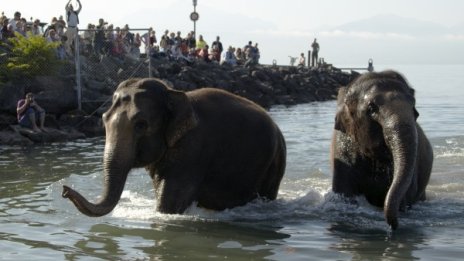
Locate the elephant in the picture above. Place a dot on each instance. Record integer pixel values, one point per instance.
(206, 146)
(378, 149)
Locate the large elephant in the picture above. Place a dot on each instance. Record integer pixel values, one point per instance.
(378, 149)
(206, 146)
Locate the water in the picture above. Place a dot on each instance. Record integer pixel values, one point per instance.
(306, 222)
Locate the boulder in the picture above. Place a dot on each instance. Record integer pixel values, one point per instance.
(56, 96)
(14, 138)
(48, 135)
(10, 94)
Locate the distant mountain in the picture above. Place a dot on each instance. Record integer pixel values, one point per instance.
(395, 24)
(375, 37)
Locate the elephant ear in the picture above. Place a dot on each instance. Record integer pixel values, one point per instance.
(182, 119)
(341, 115)
(416, 113)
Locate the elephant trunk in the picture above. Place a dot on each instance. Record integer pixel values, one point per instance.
(116, 169)
(401, 138)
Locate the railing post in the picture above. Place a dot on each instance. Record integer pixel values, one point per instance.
(309, 59)
(78, 71)
(148, 51)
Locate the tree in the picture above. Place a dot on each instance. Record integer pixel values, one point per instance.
(27, 57)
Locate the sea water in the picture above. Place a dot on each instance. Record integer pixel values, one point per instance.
(306, 222)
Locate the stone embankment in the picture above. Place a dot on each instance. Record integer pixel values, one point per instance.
(265, 85)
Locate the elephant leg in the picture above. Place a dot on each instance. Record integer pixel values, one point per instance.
(344, 179)
(174, 195)
(269, 187)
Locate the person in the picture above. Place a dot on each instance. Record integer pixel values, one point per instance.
(149, 40)
(60, 25)
(249, 57)
(248, 46)
(15, 20)
(315, 55)
(240, 56)
(178, 38)
(7, 30)
(127, 35)
(229, 57)
(28, 112)
(87, 38)
(200, 43)
(99, 38)
(256, 53)
(72, 17)
(51, 26)
(203, 54)
(214, 54)
(217, 45)
(53, 37)
(36, 28)
(191, 40)
(116, 39)
(302, 61)
(21, 27)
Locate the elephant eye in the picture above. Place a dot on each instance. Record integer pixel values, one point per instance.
(372, 109)
(141, 126)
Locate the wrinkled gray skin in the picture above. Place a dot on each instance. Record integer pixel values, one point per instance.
(378, 149)
(207, 146)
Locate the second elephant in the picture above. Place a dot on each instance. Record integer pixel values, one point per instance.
(378, 148)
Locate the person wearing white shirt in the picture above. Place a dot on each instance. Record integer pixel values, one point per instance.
(72, 17)
(16, 18)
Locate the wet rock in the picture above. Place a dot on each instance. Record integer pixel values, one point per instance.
(14, 138)
(48, 134)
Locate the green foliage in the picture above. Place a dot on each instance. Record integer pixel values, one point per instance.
(28, 57)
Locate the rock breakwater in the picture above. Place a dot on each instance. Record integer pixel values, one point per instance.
(265, 85)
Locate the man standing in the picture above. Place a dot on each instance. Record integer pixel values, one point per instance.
(217, 45)
(72, 17)
(315, 55)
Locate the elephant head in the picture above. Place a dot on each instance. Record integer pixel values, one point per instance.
(145, 119)
(378, 112)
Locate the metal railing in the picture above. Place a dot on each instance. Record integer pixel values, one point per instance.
(103, 56)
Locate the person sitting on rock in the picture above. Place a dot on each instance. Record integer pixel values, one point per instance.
(229, 57)
(29, 112)
(203, 55)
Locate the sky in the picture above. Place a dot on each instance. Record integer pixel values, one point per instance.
(350, 32)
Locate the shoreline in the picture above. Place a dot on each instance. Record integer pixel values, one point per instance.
(266, 85)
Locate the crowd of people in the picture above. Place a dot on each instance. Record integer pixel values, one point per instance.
(105, 39)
